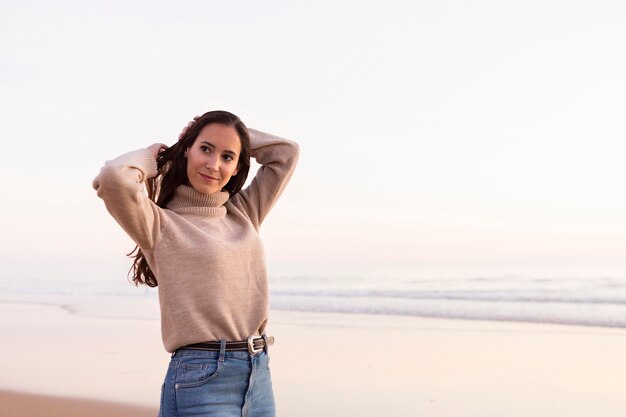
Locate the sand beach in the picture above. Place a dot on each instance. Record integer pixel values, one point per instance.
(55, 362)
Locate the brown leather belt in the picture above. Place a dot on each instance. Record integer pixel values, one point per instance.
(254, 345)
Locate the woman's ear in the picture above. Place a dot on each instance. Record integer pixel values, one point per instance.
(186, 151)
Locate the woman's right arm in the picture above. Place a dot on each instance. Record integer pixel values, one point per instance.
(121, 185)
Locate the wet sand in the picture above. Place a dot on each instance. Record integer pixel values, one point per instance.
(16, 404)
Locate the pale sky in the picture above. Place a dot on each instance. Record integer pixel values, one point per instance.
(447, 135)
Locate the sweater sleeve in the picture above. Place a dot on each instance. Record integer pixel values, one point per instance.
(120, 184)
(278, 158)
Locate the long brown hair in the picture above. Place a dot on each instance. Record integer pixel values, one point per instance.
(172, 172)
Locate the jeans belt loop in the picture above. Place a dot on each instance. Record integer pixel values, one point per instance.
(222, 350)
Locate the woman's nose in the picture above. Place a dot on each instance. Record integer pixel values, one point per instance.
(212, 163)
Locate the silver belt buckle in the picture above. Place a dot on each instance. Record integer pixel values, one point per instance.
(254, 351)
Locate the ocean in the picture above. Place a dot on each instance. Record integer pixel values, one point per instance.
(590, 301)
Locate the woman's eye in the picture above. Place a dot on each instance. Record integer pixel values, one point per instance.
(228, 157)
(204, 148)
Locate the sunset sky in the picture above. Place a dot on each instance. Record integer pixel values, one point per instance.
(437, 138)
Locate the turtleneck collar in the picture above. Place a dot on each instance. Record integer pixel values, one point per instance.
(188, 200)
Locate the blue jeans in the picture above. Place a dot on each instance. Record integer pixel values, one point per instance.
(218, 384)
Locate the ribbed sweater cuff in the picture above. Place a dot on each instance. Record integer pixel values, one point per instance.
(150, 163)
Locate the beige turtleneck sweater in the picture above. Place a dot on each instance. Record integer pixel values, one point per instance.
(204, 250)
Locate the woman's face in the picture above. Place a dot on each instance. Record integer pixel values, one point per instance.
(213, 158)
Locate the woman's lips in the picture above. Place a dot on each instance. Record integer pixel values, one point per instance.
(208, 178)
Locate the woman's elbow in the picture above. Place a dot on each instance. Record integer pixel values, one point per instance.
(112, 178)
(294, 151)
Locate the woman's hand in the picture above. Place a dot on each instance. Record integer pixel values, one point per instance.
(186, 128)
(156, 148)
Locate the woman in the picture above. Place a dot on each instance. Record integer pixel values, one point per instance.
(197, 239)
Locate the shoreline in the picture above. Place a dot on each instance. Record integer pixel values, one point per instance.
(149, 311)
(398, 364)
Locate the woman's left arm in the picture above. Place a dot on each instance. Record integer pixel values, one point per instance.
(278, 158)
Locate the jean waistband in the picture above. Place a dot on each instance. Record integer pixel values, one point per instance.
(254, 345)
